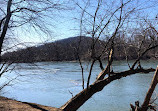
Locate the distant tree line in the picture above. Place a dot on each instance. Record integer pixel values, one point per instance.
(66, 50)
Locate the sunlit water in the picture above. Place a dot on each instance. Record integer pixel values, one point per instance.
(50, 83)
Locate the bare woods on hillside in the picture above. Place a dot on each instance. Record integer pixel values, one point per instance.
(66, 50)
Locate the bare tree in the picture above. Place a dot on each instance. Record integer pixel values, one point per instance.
(96, 24)
(32, 16)
(21, 14)
(106, 19)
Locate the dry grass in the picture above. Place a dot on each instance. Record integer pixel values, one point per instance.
(13, 105)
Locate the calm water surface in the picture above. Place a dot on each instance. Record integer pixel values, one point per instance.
(50, 83)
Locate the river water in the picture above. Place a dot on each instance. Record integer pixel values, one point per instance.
(50, 83)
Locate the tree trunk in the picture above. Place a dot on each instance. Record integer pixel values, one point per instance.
(74, 103)
(5, 27)
(78, 100)
(145, 104)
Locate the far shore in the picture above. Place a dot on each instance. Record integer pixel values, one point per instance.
(151, 59)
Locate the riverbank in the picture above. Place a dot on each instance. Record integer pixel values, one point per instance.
(7, 104)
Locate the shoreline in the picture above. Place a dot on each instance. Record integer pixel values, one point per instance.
(7, 104)
(73, 61)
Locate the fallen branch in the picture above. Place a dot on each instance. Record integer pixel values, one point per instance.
(74, 103)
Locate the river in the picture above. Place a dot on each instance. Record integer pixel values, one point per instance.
(50, 83)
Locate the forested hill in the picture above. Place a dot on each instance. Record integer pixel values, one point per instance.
(61, 50)
(67, 50)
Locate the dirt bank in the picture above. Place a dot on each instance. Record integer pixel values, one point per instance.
(7, 104)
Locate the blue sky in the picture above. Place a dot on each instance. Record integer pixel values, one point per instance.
(66, 22)
(63, 26)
